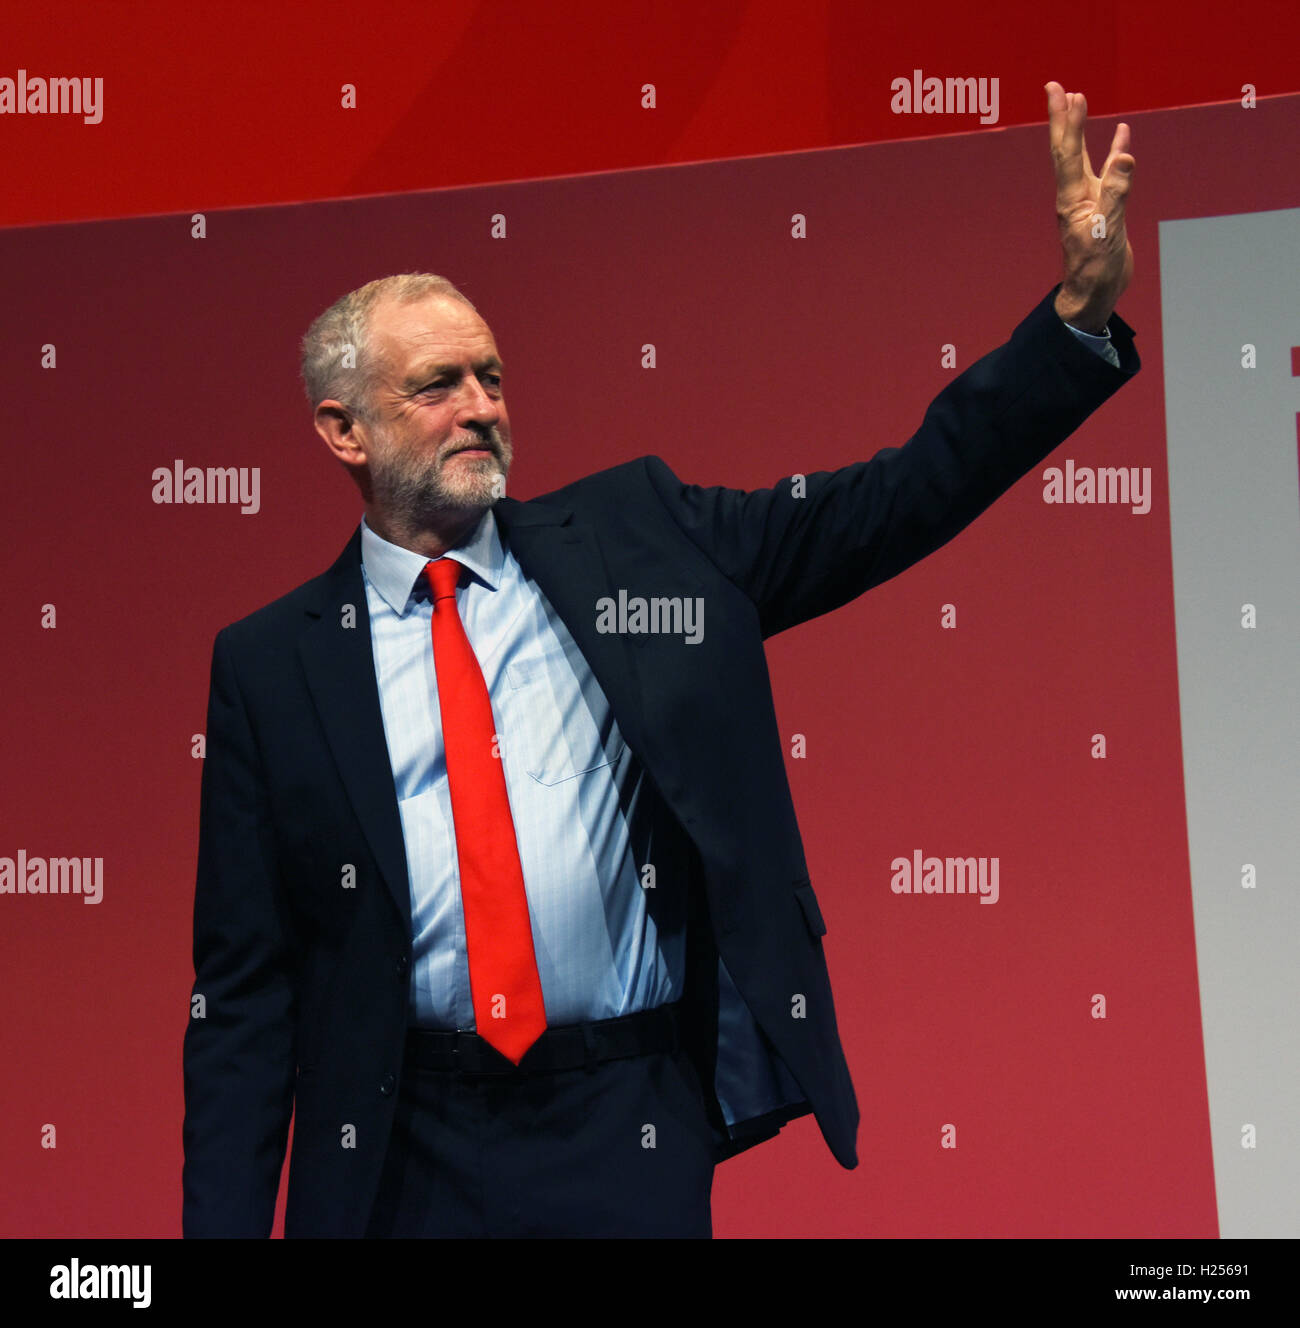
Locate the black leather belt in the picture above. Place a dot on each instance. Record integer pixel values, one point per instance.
(575, 1046)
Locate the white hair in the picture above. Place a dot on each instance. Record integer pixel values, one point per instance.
(346, 323)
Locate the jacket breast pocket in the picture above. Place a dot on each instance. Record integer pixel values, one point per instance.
(561, 724)
(812, 914)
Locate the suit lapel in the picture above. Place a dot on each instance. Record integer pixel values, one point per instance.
(563, 556)
(560, 553)
(339, 663)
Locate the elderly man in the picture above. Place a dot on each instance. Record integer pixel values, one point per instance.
(500, 888)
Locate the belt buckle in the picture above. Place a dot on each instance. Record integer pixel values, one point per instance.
(472, 1055)
(461, 1050)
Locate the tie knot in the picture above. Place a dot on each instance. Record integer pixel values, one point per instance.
(443, 576)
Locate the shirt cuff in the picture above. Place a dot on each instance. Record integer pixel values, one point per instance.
(1100, 344)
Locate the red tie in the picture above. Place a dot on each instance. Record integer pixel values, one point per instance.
(508, 1009)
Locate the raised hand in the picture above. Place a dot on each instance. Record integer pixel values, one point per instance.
(1090, 214)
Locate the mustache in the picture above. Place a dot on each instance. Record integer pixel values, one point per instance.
(491, 441)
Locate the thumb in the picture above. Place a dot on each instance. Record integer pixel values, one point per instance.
(1117, 178)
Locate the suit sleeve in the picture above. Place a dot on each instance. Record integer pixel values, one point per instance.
(798, 555)
(239, 1064)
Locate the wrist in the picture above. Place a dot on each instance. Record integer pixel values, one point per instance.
(1087, 316)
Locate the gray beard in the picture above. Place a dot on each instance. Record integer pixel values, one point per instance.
(415, 494)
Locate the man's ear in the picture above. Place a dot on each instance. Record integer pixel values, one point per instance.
(343, 432)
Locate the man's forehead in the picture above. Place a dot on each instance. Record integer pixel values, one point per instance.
(423, 328)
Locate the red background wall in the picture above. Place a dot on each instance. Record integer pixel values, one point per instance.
(775, 356)
(238, 102)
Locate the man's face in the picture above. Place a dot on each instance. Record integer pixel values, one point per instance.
(439, 435)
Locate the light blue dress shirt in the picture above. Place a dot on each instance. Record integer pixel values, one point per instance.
(1099, 343)
(607, 942)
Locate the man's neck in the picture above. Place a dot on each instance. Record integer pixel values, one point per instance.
(430, 541)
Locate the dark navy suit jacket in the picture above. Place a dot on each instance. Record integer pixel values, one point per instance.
(305, 982)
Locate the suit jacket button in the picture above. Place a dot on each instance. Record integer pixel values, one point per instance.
(387, 1084)
(402, 966)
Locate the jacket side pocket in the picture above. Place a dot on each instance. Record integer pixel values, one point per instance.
(803, 892)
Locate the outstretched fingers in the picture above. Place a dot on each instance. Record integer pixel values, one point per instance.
(1066, 113)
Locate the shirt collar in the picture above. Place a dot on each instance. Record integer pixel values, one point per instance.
(396, 572)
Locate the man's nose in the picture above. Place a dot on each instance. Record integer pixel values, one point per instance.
(475, 404)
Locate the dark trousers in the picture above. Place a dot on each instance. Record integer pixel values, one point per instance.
(619, 1148)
